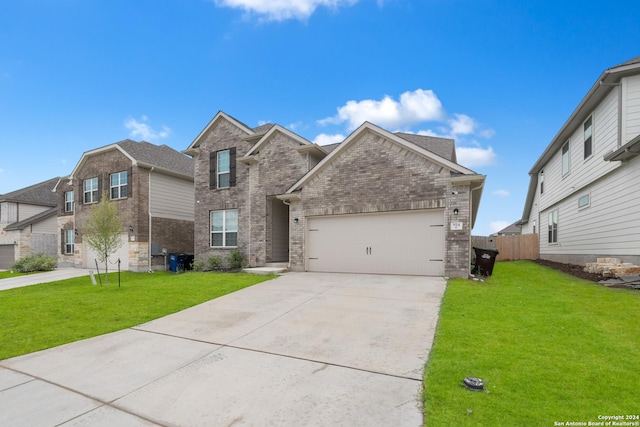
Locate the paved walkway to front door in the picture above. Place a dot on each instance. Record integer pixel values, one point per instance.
(305, 349)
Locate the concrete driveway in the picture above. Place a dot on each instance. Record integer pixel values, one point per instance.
(305, 349)
(44, 277)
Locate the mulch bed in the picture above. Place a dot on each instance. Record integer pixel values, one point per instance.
(572, 269)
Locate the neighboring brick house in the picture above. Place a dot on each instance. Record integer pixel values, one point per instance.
(28, 222)
(378, 202)
(152, 187)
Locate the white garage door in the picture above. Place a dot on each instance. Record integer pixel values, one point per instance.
(410, 242)
(122, 253)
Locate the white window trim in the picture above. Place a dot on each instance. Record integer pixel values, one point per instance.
(588, 196)
(90, 191)
(227, 172)
(555, 242)
(70, 241)
(68, 204)
(118, 186)
(224, 230)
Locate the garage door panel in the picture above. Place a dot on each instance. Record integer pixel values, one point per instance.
(122, 253)
(7, 256)
(391, 243)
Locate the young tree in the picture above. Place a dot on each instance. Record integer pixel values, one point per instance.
(103, 230)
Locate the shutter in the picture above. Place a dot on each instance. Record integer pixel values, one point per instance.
(100, 182)
(212, 170)
(61, 205)
(62, 236)
(80, 192)
(130, 182)
(232, 167)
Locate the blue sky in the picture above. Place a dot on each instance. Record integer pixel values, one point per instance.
(500, 77)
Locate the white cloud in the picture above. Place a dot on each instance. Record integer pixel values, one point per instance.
(502, 193)
(324, 139)
(495, 226)
(281, 10)
(475, 156)
(461, 124)
(412, 107)
(140, 129)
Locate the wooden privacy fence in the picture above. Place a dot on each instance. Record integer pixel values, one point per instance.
(510, 248)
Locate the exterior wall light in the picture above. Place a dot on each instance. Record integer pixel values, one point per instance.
(295, 220)
(455, 211)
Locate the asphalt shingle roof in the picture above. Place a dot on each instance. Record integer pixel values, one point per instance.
(37, 194)
(443, 147)
(161, 156)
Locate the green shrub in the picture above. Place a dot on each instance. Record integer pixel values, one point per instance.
(235, 259)
(199, 264)
(38, 262)
(215, 263)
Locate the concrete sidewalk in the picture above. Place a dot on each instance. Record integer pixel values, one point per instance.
(44, 277)
(305, 349)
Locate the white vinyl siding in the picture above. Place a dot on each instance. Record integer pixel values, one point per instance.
(583, 172)
(26, 211)
(611, 224)
(630, 108)
(171, 197)
(46, 226)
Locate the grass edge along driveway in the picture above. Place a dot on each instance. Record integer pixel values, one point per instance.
(550, 348)
(38, 317)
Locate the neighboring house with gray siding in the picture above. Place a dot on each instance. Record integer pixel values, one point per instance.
(28, 222)
(376, 203)
(583, 198)
(152, 187)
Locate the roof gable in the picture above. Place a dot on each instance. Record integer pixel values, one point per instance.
(21, 225)
(144, 154)
(267, 136)
(221, 115)
(369, 127)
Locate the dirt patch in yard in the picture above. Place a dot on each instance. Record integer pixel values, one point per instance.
(572, 269)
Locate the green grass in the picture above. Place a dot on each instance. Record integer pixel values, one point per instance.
(10, 273)
(549, 347)
(37, 317)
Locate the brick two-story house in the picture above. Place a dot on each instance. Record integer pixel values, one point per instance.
(378, 202)
(152, 187)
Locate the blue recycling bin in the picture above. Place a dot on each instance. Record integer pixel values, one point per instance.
(173, 262)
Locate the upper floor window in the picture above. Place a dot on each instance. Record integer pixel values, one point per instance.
(553, 226)
(91, 190)
(224, 172)
(565, 159)
(588, 137)
(541, 181)
(68, 201)
(222, 168)
(224, 228)
(119, 185)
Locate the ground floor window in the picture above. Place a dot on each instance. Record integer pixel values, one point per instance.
(224, 228)
(69, 242)
(553, 226)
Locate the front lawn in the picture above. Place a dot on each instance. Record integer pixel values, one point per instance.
(10, 273)
(36, 317)
(550, 348)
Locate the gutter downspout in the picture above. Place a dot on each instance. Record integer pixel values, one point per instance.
(471, 216)
(149, 216)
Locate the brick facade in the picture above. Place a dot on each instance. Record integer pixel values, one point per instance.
(369, 174)
(133, 212)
